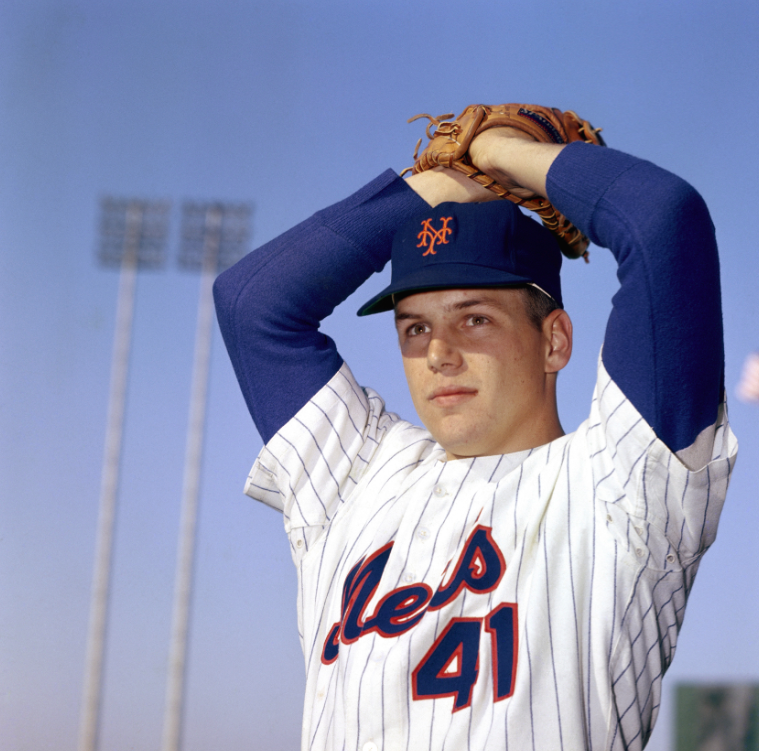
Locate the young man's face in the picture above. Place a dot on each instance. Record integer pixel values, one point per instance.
(481, 375)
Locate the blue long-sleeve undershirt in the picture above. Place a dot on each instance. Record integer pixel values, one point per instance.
(663, 343)
(270, 304)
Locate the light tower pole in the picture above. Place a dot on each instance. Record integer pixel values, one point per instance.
(214, 236)
(133, 235)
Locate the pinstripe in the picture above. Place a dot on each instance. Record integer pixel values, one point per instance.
(670, 598)
(261, 488)
(614, 609)
(634, 464)
(614, 411)
(550, 641)
(605, 477)
(599, 397)
(645, 488)
(382, 712)
(495, 469)
(666, 494)
(637, 636)
(333, 678)
(682, 503)
(408, 703)
(347, 409)
(416, 528)
(569, 545)
(316, 589)
(400, 469)
(616, 728)
(434, 707)
(360, 685)
(301, 635)
(598, 453)
(706, 505)
(516, 500)
(325, 462)
(590, 616)
(297, 504)
(357, 391)
(465, 516)
(532, 712)
(337, 437)
(316, 492)
(632, 597)
(442, 524)
(268, 452)
(648, 695)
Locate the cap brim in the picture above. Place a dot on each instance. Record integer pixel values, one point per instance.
(444, 276)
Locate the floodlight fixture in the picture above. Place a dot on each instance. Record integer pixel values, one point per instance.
(133, 226)
(214, 233)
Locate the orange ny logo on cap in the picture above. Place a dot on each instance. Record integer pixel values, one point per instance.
(432, 236)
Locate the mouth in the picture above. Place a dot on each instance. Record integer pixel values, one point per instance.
(449, 396)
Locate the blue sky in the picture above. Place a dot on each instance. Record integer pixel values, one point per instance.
(291, 106)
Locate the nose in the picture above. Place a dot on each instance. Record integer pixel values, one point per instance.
(443, 355)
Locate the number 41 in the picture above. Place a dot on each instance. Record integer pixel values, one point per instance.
(452, 664)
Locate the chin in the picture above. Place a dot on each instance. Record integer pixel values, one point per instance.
(463, 446)
(465, 434)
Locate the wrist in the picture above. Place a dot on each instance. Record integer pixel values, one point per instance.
(494, 147)
(514, 160)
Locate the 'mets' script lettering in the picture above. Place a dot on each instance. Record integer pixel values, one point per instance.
(479, 569)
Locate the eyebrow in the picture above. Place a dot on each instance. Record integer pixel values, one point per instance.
(463, 305)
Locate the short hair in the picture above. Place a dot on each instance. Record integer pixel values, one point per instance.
(538, 305)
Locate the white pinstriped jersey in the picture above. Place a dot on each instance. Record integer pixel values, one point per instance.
(524, 601)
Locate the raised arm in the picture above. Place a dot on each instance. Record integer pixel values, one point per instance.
(270, 304)
(663, 344)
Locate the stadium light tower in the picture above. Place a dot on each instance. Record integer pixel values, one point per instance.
(133, 235)
(214, 236)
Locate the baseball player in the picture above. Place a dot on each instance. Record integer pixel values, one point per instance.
(487, 581)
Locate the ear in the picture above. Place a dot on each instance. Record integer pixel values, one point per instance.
(557, 333)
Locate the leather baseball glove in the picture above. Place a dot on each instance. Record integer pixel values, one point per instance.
(449, 147)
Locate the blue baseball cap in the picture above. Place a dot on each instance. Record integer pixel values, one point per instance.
(470, 245)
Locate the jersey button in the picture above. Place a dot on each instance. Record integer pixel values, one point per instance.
(369, 746)
(409, 577)
(439, 491)
(423, 533)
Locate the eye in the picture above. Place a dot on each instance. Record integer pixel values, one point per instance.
(477, 320)
(416, 329)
